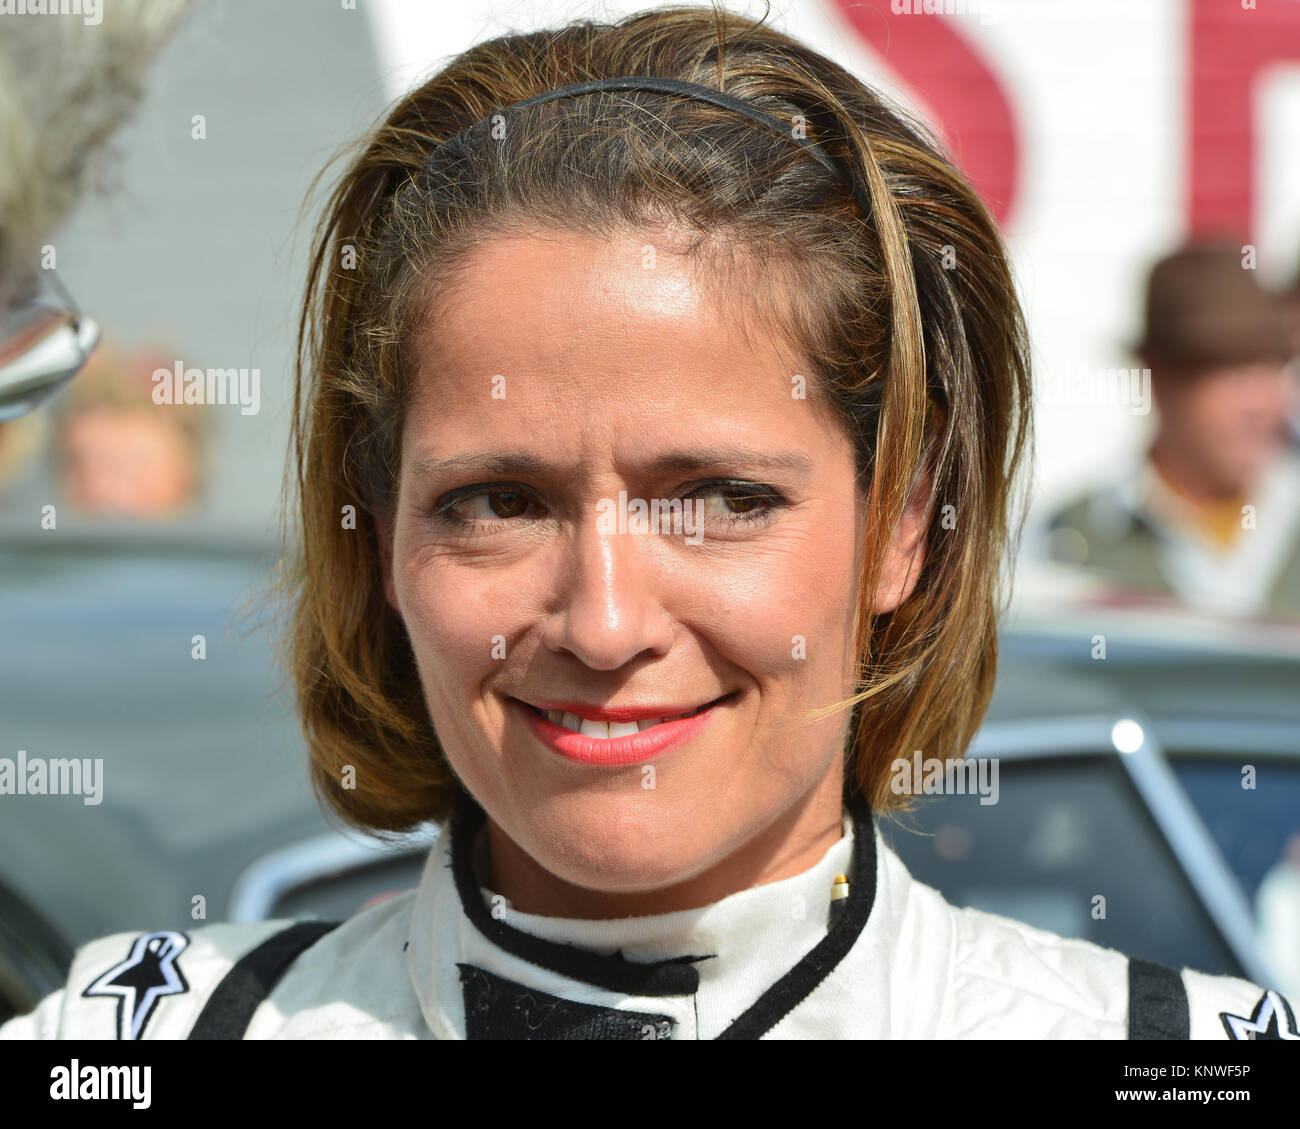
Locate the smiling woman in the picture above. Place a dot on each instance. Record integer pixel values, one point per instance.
(579, 290)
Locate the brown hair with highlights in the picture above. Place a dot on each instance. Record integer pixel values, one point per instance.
(908, 320)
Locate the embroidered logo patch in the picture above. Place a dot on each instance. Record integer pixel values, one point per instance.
(139, 982)
(1271, 1019)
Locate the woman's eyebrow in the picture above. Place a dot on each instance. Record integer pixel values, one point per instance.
(695, 459)
(488, 462)
(705, 458)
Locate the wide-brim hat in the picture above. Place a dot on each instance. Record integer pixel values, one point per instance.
(1204, 308)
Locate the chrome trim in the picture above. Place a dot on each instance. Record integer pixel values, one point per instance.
(266, 880)
(1090, 733)
(1045, 737)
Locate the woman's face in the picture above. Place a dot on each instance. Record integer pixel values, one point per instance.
(568, 372)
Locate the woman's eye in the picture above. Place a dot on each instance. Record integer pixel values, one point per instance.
(742, 501)
(485, 506)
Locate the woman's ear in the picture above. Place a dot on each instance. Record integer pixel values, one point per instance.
(906, 555)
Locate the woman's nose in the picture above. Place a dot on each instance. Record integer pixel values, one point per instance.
(610, 609)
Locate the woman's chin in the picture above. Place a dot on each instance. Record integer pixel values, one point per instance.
(621, 856)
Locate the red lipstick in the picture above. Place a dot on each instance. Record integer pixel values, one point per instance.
(632, 749)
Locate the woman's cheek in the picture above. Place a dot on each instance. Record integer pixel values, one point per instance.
(453, 614)
(800, 584)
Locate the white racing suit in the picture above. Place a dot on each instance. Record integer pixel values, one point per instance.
(453, 960)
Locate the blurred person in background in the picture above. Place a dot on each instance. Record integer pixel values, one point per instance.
(121, 454)
(65, 86)
(1211, 515)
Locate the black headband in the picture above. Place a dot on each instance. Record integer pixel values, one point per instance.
(703, 94)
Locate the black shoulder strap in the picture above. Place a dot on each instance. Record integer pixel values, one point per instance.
(1157, 1002)
(229, 1009)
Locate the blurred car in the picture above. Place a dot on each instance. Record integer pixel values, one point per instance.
(1122, 732)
